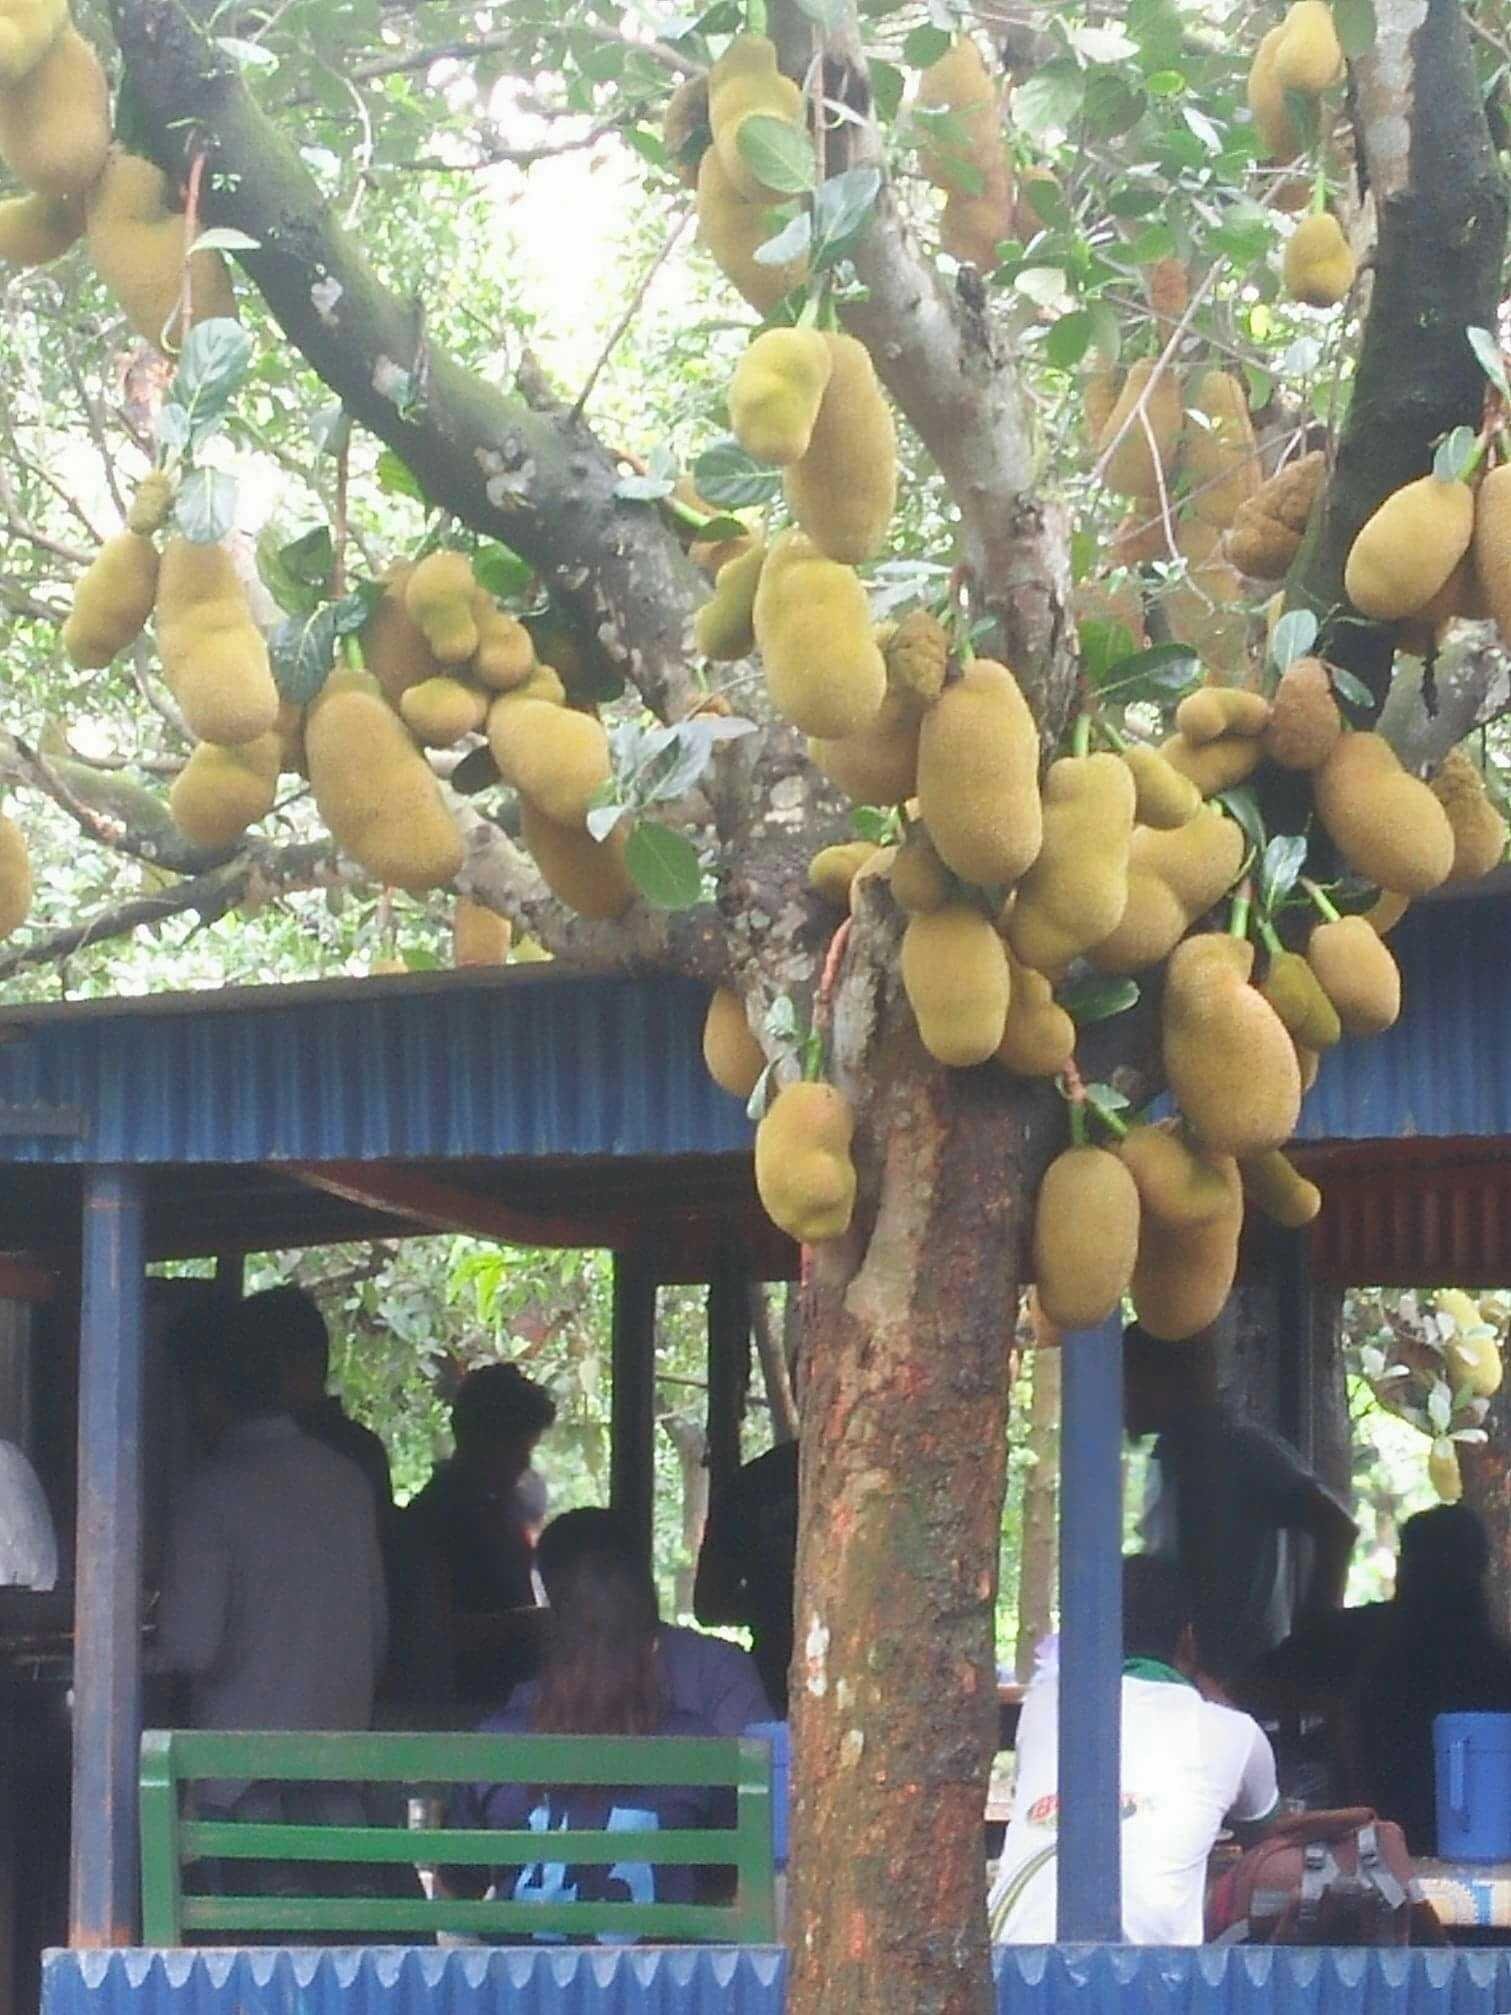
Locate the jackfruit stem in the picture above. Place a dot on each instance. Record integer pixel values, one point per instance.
(755, 17)
(1318, 206)
(1238, 916)
(1078, 1122)
(1322, 899)
(813, 308)
(1114, 738)
(1270, 936)
(351, 650)
(1080, 735)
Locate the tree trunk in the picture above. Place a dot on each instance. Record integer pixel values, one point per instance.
(772, 1356)
(1487, 1490)
(1039, 1552)
(691, 1444)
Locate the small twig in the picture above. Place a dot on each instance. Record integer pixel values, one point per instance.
(636, 301)
(823, 1000)
(1198, 295)
(191, 232)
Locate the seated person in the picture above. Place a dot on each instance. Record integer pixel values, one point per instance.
(600, 1676)
(701, 1675)
(1188, 1765)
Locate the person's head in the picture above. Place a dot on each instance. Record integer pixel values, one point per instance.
(1444, 1558)
(300, 1341)
(245, 1360)
(599, 1674)
(574, 1536)
(497, 1417)
(1157, 1612)
(1163, 1381)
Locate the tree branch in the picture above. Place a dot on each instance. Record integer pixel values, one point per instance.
(112, 809)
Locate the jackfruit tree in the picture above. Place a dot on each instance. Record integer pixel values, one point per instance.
(1036, 627)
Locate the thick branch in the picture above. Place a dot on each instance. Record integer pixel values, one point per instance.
(1471, 686)
(114, 810)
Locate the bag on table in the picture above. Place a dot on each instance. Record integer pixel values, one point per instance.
(1324, 1878)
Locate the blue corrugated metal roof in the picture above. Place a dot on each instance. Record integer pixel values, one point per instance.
(547, 1065)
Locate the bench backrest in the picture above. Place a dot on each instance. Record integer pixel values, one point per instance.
(172, 1759)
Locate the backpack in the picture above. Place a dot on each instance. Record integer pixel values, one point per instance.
(1324, 1878)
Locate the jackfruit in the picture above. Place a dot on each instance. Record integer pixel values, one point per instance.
(1308, 56)
(684, 121)
(843, 490)
(1184, 1273)
(1165, 799)
(1221, 710)
(920, 880)
(746, 84)
(1177, 1184)
(1309, 1063)
(1266, 532)
(151, 505)
(1443, 1470)
(776, 392)
(734, 1058)
(813, 628)
(479, 936)
(734, 231)
(373, 788)
(1086, 1235)
(833, 869)
(220, 792)
(1220, 458)
(505, 654)
(724, 628)
(1473, 1354)
(440, 711)
(1386, 824)
(138, 244)
(1169, 288)
(954, 971)
(1387, 912)
(289, 729)
(1230, 1064)
(213, 655)
(959, 144)
(1296, 994)
(1075, 893)
(1492, 545)
(111, 601)
(972, 227)
(1304, 723)
(1276, 130)
(556, 757)
(1357, 974)
(1215, 766)
(28, 29)
(803, 1171)
(1277, 1188)
(35, 230)
(1039, 1038)
(1174, 877)
(878, 766)
(55, 120)
(1099, 398)
(1479, 831)
(917, 655)
(1132, 469)
(978, 788)
(1318, 264)
(393, 645)
(588, 875)
(15, 877)
(439, 597)
(1409, 547)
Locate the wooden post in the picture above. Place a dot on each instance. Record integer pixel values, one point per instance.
(632, 1458)
(1090, 1907)
(728, 1367)
(107, 1698)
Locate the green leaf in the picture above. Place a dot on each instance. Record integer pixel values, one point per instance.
(303, 649)
(1351, 690)
(1356, 25)
(828, 13)
(887, 84)
(250, 55)
(790, 243)
(398, 480)
(477, 771)
(1113, 105)
(1454, 455)
(643, 489)
(1283, 860)
(664, 866)
(872, 822)
(224, 239)
(1106, 1098)
(1292, 637)
(1492, 363)
(1097, 997)
(840, 208)
(925, 46)
(1158, 673)
(215, 358)
(205, 508)
(1069, 339)
(1244, 806)
(501, 571)
(755, 1105)
(778, 155)
(1050, 100)
(727, 476)
(296, 574)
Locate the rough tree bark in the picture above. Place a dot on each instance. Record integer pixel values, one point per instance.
(1487, 1489)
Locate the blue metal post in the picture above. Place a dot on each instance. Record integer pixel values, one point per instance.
(1091, 1636)
(107, 1693)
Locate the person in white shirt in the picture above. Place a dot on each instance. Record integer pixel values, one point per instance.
(1188, 1766)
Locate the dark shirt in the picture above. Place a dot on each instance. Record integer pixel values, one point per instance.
(479, 1539)
(712, 1679)
(329, 1422)
(1437, 1666)
(748, 1563)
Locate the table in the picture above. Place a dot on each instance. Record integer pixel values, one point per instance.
(1468, 1895)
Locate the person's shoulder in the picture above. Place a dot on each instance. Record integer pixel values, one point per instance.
(683, 1721)
(1230, 1724)
(703, 1645)
(513, 1718)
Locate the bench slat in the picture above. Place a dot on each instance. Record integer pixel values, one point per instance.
(726, 1923)
(465, 1759)
(233, 1841)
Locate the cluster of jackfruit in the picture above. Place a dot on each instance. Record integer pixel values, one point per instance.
(734, 208)
(1302, 54)
(1437, 549)
(965, 153)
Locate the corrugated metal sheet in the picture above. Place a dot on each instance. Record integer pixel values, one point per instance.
(565, 1066)
(1031, 1980)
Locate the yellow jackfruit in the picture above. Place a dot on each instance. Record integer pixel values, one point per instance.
(138, 244)
(978, 785)
(112, 601)
(213, 655)
(1266, 532)
(1221, 710)
(972, 227)
(724, 628)
(1308, 56)
(289, 729)
(15, 877)
(734, 1058)
(1099, 398)
(1165, 799)
(1220, 457)
(1278, 137)
(1075, 893)
(954, 970)
(151, 505)
(505, 654)
(440, 711)
(734, 231)
(1273, 1185)
(1304, 723)
(1296, 994)
(1443, 1470)
(588, 875)
(35, 230)
(1039, 1038)
(683, 124)
(833, 869)
(843, 490)
(920, 879)
(1230, 1063)
(1174, 877)
(878, 766)
(439, 597)
(556, 757)
(1086, 1235)
(1169, 288)
(1479, 831)
(220, 792)
(1357, 974)
(823, 669)
(28, 29)
(1214, 766)
(1492, 545)
(745, 84)
(776, 392)
(55, 120)
(917, 654)
(479, 936)
(1410, 546)
(1386, 824)
(1133, 470)
(1386, 912)
(803, 1171)
(1176, 1182)
(373, 788)
(393, 645)
(1473, 1354)
(1318, 264)
(959, 142)
(1184, 1273)
(1309, 1063)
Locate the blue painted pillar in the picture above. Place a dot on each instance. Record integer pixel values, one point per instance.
(107, 1695)
(1091, 1635)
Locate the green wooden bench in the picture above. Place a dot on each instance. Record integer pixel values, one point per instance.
(173, 1759)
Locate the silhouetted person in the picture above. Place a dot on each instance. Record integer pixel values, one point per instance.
(748, 1562)
(302, 1344)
